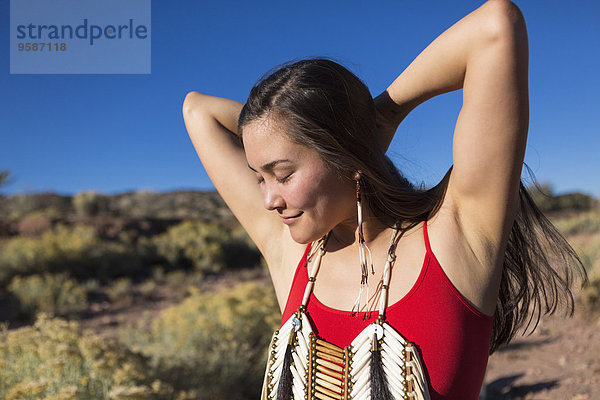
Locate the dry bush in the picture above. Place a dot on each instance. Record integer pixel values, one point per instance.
(54, 360)
(77, 250)
(89, 204)
(587, 222)
(56, 250)
(207, 247)
(214, 344)
(55, 294)
(583, 233)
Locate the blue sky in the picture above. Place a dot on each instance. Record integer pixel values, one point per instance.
(116, 133)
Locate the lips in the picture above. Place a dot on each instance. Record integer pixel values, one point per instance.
(290, 219)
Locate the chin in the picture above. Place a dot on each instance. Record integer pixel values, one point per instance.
(303, 237)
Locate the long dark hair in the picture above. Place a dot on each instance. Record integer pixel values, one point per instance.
(326, 107)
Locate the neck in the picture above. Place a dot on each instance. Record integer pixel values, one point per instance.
(347, 233)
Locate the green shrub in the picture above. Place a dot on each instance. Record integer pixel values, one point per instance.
(587, 222)
(89, 204)
(53, 359)
(55, 250)
(120, 291)
(54, 294)
(589, 297)
(148, 289)
(588, 249)
(214, 343)
(49, 204)
(77, 250)
(547, 201)
(208, 206)
(182, 282)
(205, 246)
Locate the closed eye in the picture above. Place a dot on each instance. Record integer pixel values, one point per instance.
(285, 179)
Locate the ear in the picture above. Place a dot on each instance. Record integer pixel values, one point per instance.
(356, 176)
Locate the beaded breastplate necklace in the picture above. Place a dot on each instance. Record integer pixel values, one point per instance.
(379, 364)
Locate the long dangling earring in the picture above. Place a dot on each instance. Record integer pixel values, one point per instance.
(363, 250)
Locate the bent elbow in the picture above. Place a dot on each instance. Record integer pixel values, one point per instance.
(503, 21)
(191, 103)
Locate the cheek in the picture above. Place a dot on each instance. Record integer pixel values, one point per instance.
(322, 192)
(304, 194)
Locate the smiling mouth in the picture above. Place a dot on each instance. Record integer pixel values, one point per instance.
(289, 219)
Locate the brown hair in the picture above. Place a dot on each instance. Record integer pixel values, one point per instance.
(326, 107)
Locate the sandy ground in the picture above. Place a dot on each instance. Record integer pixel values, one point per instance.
(560, 360)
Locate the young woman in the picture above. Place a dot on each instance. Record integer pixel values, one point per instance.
(471, 260)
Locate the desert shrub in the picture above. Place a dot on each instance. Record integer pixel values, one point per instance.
(91, 285)
(53, 359)
(183, 283)
(54, 294)
(49, 204)
(89, 204)
(205, 246)
(214, 343)
(547, 201)
(120, 291)
(208, 206)
(110, 260)
(54, 251)
(148, 289)
(589, 297)
(158, 274)
(588, 248)
(77, 250)
(587, 222)
(143, 203)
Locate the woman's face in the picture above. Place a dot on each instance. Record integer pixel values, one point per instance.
(296, 183)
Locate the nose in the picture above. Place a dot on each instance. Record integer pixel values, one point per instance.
(272, 198)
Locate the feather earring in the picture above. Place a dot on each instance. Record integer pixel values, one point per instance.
(363, 252)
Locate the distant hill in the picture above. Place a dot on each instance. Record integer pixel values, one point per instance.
(144, 204)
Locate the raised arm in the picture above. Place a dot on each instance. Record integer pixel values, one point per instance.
(211, 123)
(485, 54)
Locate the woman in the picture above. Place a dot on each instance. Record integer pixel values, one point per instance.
(471, 264)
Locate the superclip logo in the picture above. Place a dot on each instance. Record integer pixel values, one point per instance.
(83, 31)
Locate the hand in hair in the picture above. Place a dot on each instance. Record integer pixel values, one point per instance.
(388, 116)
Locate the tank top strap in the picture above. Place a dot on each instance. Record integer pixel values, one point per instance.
(299, 283)
(426, 236)
(303, 262)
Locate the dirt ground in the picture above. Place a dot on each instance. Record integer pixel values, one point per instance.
(560, 360)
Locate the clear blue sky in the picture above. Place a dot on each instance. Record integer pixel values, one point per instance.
(115, 133)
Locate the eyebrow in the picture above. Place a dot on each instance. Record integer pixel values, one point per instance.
(271, 165)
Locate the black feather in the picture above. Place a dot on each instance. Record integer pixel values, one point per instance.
(379, 384)
(284, 388)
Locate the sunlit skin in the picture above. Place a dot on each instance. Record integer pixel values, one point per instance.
(486, 55)
(296, 184)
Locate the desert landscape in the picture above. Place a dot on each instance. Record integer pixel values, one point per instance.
(130, 297)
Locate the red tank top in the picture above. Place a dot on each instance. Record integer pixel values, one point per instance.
(452, 336)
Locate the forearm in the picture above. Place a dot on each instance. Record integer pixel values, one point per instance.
(441, 67)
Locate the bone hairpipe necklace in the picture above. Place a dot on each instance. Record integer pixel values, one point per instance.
(379, 364)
